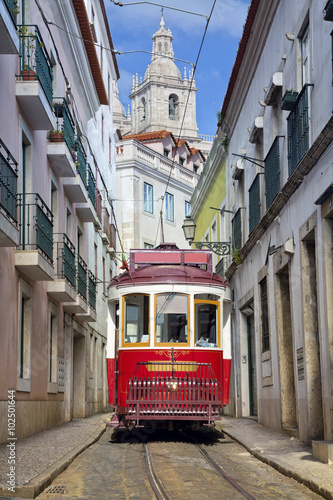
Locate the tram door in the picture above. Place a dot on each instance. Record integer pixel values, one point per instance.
(252, 366)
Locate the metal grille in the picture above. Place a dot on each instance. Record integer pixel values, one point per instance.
(183, 391)
(82, 277)
(91, 185)
(55, 489)
(8, 183)
(34, 58)
(81, 164)
(92, 290)
(272, 172)
(65, 255)
(298, 129)
(254, 203)
(36, 224)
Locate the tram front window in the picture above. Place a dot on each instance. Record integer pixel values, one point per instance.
(171, 318)
(206, 324)
(136, 328)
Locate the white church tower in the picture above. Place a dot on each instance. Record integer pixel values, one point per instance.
(158, 102)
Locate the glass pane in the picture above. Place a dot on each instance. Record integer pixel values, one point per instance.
(206, 321)
(136, 328)
(171, 318)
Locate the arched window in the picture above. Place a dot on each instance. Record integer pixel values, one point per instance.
(173, 107)
(159, 47)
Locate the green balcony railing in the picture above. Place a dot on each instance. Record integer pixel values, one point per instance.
(298, 129)
(13, 9)
(91, 185)
(65, 125)
(237, 230)
(65, 255)
(81, 162)
(8, 183)
(92, 290)
(254, 203)
(36, 225)
(272, 172)
(81, 277)
(35, 63)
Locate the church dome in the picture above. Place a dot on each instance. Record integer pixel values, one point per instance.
(162, 67)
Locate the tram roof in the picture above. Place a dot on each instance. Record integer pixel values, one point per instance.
(168, 264)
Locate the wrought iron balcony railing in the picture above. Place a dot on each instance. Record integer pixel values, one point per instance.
(272, 172)
(298, 129)
(65, 126)
(92, 290)
(254, 203)
(81, 162)
(8, 183)
(91, 187)
(65, 259)
(81, 277)
(36, 225)
(35, 63)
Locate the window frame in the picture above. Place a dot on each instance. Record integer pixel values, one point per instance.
(172, 344)
(188, 212)
(167, 210)
(218, 329)
(123, 316)
(148, 200)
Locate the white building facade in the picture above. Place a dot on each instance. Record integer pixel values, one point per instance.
(57, 175)
(277, 113)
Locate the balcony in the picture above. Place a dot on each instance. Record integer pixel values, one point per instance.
(9, 233)
(9, 40)
(34, 81)
(90, 315)
(80, 305)
(61, 141)
(298, 129)
(87, 210)
(35, 255)
(76, 188)
(63, 288)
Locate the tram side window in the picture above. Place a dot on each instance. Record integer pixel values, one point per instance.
(171, 318)
(206, 324)
(136, 328)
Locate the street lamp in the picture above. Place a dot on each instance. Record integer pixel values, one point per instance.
(189, 229)
(221, 248)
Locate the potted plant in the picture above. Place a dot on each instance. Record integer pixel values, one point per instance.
(27, 73)
(56, 136)
(289, 99)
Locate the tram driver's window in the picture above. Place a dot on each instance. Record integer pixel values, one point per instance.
(206, 324)
(136, 327)
(171, 318)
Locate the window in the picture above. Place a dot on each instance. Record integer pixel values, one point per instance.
(195, 169)
(305, 48)
(148, 246)
(24, 337)
(264, 316)
(173, 107)
(166, 153)
(169, 207)
(171, 318)
(181, 161)
(136, 319)
(148, 198)
(53, 349)
(206, 323)
(143, 109)
(188, 208)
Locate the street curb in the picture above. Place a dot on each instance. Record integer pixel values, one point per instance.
(309, 483)
(43, 480)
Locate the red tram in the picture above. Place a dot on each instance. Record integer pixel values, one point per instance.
(169, 339)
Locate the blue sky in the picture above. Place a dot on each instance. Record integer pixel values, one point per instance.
(132, 28)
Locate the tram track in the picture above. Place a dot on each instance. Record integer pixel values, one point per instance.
(158, 487)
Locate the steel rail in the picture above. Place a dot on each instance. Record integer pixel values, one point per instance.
(156, 485)
(221, 471)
